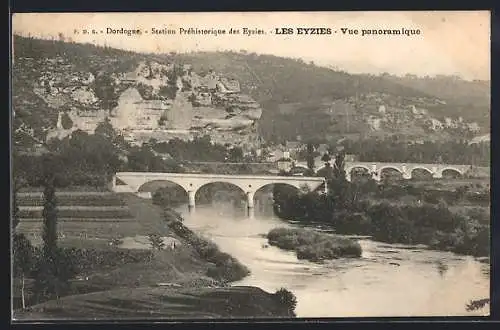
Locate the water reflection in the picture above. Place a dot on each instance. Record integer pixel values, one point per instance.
(388, 280)
(441, 267)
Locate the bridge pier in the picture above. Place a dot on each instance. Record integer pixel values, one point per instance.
(113, 182)
(251, 212)
(191, 203)
(250, 204)
(437, 175)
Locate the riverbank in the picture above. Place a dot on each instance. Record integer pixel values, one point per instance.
(388, 280)
(461, 226)
(192, 268)
(314, 246)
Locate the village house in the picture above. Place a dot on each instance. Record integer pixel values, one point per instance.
(274, 153)
(473, 127)
(435, 124)
(209, 82)
(231, 85)
(374, 123)
(418, 113)
(129, 77)
(203, 99)
(448, 122)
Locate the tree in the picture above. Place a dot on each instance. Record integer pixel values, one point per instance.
(310, 156)
(54, 267)
(326, 158)
(104, 88)
(22, 257)
(49, 217)
(339, 167)
(105, 129)
(287, 299)
(235, 155)
(66, 121)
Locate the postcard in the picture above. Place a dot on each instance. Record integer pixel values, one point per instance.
(250, 165)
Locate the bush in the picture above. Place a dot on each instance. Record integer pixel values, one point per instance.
(52, 271)
(156, 242)
(346, 222)
(227, 268)
(287, 299)
(312, 245)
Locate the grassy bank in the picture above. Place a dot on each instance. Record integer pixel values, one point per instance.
(223, 267)
(162, 303)
(312, 245)
(195, 272)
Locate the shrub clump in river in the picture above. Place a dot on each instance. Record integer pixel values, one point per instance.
(312, 245)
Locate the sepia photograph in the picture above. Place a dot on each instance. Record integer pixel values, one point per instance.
(250, 165)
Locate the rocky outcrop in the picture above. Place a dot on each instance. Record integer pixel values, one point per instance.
(169, 97)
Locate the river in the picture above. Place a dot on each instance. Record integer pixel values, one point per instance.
(388, 280)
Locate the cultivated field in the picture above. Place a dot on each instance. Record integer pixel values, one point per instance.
(89, 215)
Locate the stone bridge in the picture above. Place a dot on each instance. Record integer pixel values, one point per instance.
(405, 169)
(191, 183)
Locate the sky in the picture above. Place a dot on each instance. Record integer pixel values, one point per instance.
(450, 42)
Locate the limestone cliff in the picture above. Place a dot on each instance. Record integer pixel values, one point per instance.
(153, 100)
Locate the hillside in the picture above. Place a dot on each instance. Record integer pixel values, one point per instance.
(277, 98)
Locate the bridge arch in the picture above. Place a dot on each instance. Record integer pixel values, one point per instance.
(225, 184)
(349, 171)
(426, 172)
(284, 187)
(384, 172)
(176, 195)
(456, 171)
(350, 168)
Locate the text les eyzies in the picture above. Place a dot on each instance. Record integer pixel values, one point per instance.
(304, 30)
